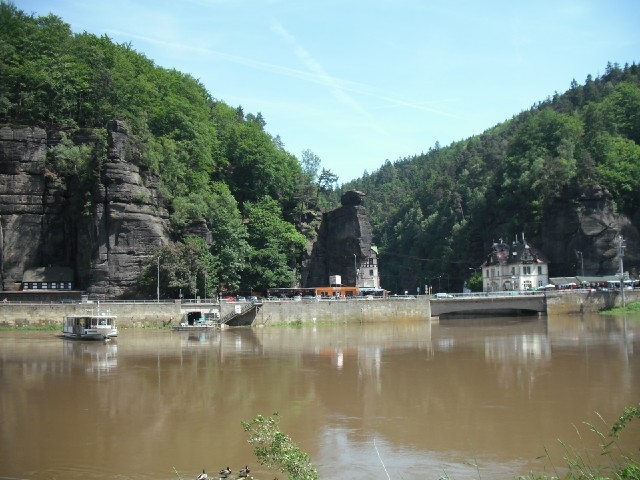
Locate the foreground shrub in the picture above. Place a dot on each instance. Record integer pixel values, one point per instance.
(276, 450)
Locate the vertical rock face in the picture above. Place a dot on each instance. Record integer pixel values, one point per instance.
(23, 202)
(107, 245)
(582, 234)
(127, 225)
(343, 233)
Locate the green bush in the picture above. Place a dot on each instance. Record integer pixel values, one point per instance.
(276, 450)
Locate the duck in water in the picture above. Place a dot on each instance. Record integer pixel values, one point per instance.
(202, 476)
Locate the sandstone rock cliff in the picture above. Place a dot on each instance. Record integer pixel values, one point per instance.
(579, 233)
(122, 223)
(343, 233)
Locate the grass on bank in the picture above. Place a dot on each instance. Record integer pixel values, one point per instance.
(612, 464)
(631, 307)
(48, 327)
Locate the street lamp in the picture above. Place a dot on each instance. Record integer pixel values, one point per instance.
(620, 250)
(474, 270)
(355, 270)
(158, 286)
(579, 254)
(439, 277)
(205, 286)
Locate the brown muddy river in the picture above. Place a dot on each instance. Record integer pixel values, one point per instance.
(463, 398)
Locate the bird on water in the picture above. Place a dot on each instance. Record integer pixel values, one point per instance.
(244, 471)
(202, 476)
(225, 472)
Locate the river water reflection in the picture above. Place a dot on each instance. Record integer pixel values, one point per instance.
(394, 400)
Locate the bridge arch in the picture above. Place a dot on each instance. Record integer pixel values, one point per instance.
(534, 303)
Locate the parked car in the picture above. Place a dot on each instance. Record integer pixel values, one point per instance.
(444, 295)
(240, 298)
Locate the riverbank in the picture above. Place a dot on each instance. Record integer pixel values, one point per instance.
(140, 314)
(631, 307)
(162, 314)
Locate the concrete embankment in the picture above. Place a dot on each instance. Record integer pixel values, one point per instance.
(572, 302)
(153, 314)
(129, 314)
(361, 310)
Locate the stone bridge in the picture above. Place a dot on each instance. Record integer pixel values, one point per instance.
(498, 302)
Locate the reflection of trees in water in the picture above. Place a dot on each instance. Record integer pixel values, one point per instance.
(449, 388)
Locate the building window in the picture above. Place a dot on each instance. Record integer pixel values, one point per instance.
(539, 282)
(34, 285)
(371, 273)
(539, 270)
(54, 285)
(45, 285)
(526, 270)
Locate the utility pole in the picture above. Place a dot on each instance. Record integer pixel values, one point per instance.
(355, 270)
(158, 286)
(621, 247)
(579, 254)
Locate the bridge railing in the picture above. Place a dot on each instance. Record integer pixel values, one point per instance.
(486, 294)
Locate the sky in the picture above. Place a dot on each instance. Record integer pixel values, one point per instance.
(362, 82)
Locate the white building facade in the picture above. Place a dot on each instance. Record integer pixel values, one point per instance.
(367, 274)
(514, 267)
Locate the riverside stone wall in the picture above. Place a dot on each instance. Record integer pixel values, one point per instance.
(366, 310)
(129, 314)
(279, 312)
(572, 302)
(165, 313)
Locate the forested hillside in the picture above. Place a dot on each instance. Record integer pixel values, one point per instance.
(215, 162)
(436, 215)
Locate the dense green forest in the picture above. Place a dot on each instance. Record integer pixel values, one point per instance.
(215, 162)
(434, 215)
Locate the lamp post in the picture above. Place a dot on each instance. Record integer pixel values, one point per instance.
(439, 277)
(158, 286)
(621, 247)
(474, 270)
(205, 286)
(355, 270)
(579, 254)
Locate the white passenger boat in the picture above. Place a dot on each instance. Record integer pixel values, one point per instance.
(101, 326)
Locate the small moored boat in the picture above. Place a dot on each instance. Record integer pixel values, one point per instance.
(196, 321)
(101, 326)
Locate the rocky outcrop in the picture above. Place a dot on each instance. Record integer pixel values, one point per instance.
(106, 242)
(343, 233)
(128, 223)
(24, 199)
(579, 232)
